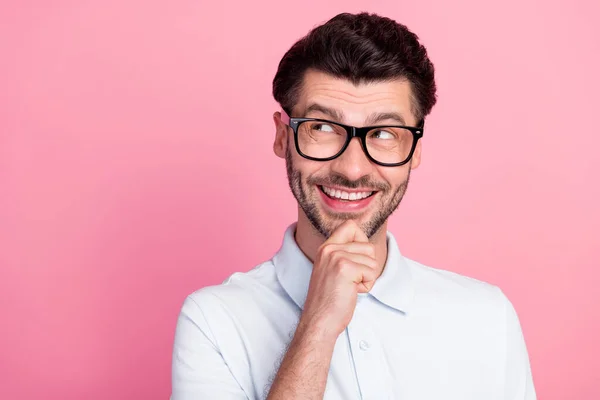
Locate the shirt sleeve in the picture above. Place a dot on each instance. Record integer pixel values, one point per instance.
(519, 380)
(198, 368)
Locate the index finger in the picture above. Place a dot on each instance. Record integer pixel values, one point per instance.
(349, 231)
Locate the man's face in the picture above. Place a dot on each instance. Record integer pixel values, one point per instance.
(315, 183)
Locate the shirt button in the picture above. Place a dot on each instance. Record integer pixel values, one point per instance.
(363, 345)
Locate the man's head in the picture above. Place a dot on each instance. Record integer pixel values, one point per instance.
(355, 70)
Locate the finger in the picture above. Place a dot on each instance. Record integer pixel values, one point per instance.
(349, 231)
(365, 287)
(361, 275)
(353, 247)
(363, 259)
(360, 235)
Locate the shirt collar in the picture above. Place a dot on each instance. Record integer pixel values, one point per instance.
(394, 288)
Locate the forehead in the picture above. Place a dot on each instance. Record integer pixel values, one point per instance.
(355, 102)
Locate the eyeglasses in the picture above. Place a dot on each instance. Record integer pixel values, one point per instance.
(322, 140)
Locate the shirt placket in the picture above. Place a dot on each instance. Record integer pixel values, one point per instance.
(369, 362)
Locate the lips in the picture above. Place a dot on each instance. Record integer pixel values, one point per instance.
(340, 200)
(345, 195)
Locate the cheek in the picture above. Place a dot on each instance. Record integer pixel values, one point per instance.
(394, 176)
(310, 169)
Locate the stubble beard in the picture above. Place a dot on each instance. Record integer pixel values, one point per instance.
(324, 226)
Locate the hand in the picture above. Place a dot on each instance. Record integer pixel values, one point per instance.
(345, 265)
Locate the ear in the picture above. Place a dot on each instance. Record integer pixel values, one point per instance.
(415, 161)
(281, 131)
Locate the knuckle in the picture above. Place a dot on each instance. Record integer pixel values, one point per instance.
(368, 270)
(334, 257)
(326, 249)
(343, 265)
(373, 262)
(372, 274)
(371, 249)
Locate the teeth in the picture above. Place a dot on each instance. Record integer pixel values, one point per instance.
(338, 194)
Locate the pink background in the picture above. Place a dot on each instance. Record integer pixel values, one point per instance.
(136, 167)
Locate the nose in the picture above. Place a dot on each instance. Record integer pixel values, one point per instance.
(353, 162)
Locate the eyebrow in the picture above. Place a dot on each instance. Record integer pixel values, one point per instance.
(338, 116)
(378, 117)
(331, 112)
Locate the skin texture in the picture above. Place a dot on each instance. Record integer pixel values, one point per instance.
(348, 249)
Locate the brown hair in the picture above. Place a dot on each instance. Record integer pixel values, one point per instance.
(362, 48)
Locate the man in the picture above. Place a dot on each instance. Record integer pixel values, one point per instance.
(339, 312)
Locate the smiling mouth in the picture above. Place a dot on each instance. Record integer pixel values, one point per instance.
(342, 195)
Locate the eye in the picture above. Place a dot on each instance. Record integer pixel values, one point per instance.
(323, 127)
(385, 135)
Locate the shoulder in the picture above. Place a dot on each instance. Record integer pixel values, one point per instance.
(242, 293)
(238, 285)
(444, 287)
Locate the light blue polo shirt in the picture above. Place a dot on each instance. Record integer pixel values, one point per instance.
(420, 334)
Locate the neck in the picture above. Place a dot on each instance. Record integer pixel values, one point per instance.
(309, 240)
